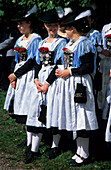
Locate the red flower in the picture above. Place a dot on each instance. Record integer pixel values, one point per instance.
(22, 49)
(40, 49)
(16, 48)
(43, 49)
(19, 49)
(46, 49)
(65, 49)
(109, 35)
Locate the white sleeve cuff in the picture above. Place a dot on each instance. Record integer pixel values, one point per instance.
(36, 79)
(70, 71)
(47, 83)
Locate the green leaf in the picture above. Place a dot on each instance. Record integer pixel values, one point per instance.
(14, 1)
(1, 13)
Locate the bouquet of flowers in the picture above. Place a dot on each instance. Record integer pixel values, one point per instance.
(66, 50)
(20, 49)
(68, 57)
(43, 49)
(22, 52)
(45, 55)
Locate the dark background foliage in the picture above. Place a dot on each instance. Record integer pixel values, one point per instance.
(102, 7)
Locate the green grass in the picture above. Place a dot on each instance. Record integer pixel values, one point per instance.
(12, 134)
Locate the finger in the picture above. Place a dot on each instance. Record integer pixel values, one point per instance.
(62, 76)
(39, 90)
(57, 71)
(9, 76)
(38, 87)
(10, 81)
(60, 73)
(57, 75)
(40, 84)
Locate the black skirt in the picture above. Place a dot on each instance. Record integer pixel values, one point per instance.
(34, 129)
(20, 118)
(84, 133)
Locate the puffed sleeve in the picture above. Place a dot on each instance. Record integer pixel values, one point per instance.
(58, 60)
(59, 51)
(33, 56)
(83, 48)
(96, 38)
(32, 51)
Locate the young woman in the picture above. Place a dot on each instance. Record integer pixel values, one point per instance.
(22, 79)
(106, 115)
(50, 50)
(105, 65)
(79, 63)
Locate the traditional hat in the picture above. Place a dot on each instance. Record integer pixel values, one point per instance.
(68, 19)
(83, 14)
(78, 19)
(50, 16)
(62, 12)
(24, 15)
(76, 15)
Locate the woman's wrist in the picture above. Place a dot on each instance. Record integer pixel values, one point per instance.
(47, 83)
(36, 79)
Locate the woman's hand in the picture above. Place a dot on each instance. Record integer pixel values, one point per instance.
(12, 77)
(57, 73)
(44, 88)
(13, 84)
(64, 73)
(38, 85)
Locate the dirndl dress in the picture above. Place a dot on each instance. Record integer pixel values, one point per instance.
(62, 111)
(23, 92)
(105, 66)
(48, 60)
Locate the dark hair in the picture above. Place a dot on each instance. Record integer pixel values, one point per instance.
(81, 25)
(31, 18)
(34, 22)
